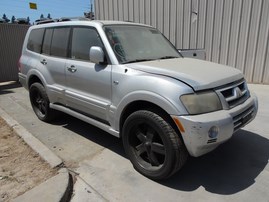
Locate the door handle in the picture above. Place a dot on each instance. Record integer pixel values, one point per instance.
(44, 62)
(72, 69)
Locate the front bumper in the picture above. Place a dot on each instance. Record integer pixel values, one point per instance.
(196, 137)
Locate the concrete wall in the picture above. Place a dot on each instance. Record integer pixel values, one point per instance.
(11, 40)
(233, 32)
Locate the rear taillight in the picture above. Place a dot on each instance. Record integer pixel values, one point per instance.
(19, 65)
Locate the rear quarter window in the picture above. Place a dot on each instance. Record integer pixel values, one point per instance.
(35, 40)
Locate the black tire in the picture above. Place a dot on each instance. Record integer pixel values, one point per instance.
(40, 103)
(152, 145)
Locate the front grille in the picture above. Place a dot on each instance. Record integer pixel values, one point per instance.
(242, 118)
(234, 94)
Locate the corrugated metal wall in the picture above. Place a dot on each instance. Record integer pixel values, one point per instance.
(11, 40)
(233, 32)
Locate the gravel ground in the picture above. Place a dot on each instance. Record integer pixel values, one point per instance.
(21, 168)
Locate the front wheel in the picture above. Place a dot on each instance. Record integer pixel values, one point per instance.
(40, 103)
(152, 145)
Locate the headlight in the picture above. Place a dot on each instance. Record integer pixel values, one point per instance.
(199, 103)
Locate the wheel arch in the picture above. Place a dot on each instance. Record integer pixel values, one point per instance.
(146, 105)
(35, 76)
(34, 79)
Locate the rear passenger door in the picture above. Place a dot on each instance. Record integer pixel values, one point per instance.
(88, 84)
(53, 59)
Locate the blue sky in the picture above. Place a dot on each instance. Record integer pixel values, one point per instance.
(56, 8)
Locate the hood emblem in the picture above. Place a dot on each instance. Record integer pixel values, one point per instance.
(237, 92)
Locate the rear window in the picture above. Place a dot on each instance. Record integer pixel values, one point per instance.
(47, 41)
(59, 42)
(35, 40)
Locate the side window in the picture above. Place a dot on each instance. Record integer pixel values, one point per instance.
(47, 41)
(35, 40)
(59, 43)
(82, 40)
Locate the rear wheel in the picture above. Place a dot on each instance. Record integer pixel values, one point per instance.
(152, 145)
(40, 103)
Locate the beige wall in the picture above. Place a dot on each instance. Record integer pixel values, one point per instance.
(233, 32)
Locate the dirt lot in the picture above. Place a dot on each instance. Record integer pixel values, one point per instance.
(21, 168)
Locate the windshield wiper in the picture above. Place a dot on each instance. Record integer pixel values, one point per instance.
(143, 60)
(137, 60)
(167, 57)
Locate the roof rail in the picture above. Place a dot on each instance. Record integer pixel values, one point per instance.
(38, 22)
(62, 19)
(73, 19)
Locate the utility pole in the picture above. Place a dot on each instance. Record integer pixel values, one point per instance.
(90, 14)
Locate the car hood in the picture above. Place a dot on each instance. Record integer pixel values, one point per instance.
(199, 74)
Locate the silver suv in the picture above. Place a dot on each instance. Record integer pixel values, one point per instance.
(130, 81)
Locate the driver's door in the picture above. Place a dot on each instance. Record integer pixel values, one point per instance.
(88, 84)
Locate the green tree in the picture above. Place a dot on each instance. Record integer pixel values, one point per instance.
(13, 19)
(5, 18)
(28, 20)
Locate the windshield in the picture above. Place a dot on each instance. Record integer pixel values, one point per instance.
(138, 43)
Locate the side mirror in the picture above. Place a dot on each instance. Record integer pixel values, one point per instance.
(96, 55)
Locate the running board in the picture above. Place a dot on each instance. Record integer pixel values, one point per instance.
(86, 119)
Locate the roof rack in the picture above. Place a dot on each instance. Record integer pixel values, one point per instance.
(62, 19)
(44, 21)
